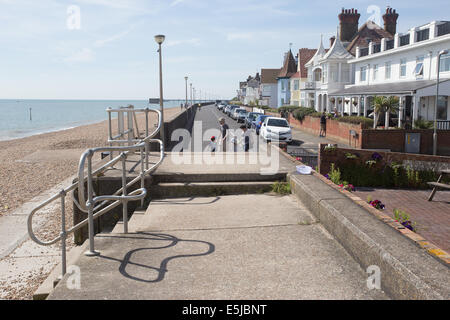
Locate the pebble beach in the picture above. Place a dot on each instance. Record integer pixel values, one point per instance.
(35, 164)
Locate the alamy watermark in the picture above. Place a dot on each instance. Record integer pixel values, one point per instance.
(74, 279)
(73, 21)
(374, 279)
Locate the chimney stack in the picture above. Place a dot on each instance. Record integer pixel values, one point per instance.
(332, 41)
(390, 20)
(348, 21)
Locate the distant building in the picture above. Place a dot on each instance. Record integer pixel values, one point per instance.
(269, 87)
(404, 66)
(249, 91)
(284, 85)
(298, 79)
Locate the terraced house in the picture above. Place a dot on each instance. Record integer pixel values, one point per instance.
(329, 71)
(298, 94)
(405, 66)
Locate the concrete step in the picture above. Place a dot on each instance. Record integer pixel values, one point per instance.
(217, 177)
(207, 189)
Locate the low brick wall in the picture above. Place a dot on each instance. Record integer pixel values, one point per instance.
(394, 140)
(336, 130)
(367, 138)
(337, 156)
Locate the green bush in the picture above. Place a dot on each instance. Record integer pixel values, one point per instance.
(302, 112)
(367, 123)
(288, 108)
(423, 124)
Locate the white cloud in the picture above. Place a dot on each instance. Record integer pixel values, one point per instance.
(193, 41)
(176, 2)
(84, 55)
(102, 42)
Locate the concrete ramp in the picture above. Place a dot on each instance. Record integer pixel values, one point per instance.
(225, 247)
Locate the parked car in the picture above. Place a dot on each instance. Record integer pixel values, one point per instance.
(276, 129)
(230, 110)
(240, 115)
(235, 112)
(258, 123)
(250, 117)
(221, 106)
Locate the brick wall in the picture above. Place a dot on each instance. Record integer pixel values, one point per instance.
(391, 139)
(395, 140)
(326, 158)
(337, 131)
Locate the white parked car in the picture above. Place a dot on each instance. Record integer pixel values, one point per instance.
(234, 114)
(276, 129)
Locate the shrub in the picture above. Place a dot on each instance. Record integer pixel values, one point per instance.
(404, 219)
(288, 108)
(423, 124)
(301, 112)
(366, 122)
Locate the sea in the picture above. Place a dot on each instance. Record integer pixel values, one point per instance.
(23, 118)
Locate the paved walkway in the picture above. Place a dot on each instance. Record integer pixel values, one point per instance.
(432, 218)
(229, 247)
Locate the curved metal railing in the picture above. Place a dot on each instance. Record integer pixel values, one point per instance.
(96, 206)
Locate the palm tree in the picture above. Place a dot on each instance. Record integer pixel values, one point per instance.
(391, 105)
(378, 107)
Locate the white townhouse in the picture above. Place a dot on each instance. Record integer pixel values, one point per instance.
(269, 87)
(406, 67)
(329, 70)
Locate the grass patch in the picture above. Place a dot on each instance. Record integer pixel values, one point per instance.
(281, 187)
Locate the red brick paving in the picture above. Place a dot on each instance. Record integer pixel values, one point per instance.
(432, 218)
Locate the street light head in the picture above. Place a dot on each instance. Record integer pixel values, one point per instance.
(443, 52)
(160, 38)
(186, 78)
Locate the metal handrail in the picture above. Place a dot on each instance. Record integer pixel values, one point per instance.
(89, 206)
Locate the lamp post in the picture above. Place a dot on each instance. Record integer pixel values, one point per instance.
(436, 102)
(186, 79)
(159, 40)
(191, 95)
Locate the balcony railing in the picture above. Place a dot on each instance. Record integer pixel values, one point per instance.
(443, 124)
(308, 85)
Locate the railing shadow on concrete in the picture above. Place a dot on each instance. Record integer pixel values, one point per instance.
(127, 147)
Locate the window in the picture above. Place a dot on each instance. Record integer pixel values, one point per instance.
(403, 67)
(418, 70)
(363, 74)
(282, 85)
(296, 84)
(423, 35)
(387, 70)
(325, 73)
(375, 72)
(445, 63)
(442, 108)
(317, 75)
(345, 69)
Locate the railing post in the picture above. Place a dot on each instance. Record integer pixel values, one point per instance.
(110, 131)
(142, 175)
(63, 233)
(147, 144)
(90, 204)
(124, 193)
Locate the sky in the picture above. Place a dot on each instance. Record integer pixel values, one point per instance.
(105, 49)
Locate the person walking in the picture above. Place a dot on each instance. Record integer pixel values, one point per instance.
(224, 128)
(323, 125)
(245, 138)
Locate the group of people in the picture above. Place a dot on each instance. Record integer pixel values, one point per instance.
(225, 134)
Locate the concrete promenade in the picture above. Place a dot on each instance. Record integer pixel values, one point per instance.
(237, 246)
